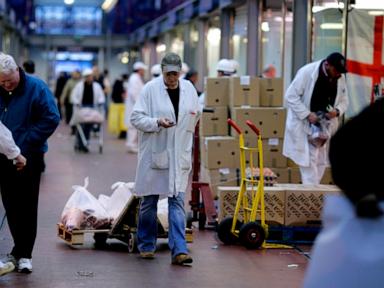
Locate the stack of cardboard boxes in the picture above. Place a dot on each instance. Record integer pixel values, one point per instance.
(241, 98)
(261, 101)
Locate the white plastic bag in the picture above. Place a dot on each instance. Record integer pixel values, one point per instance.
(121, 195)
(83, 211)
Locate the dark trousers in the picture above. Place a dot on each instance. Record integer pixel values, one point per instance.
(20, 196)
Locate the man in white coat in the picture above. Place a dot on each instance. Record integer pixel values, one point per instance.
(12, 152)
(317, 87)
(165, 115)
(134, 87)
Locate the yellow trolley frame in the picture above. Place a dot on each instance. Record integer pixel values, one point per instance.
(251, 233)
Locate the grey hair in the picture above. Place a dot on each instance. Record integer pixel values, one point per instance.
(7, 63)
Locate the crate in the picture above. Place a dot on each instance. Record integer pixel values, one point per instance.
(75, 237)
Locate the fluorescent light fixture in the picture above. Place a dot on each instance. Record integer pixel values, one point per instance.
(214, 35)
(331, 26)
(108, 5)
(369, 4)
(376, 13)
(316, 8)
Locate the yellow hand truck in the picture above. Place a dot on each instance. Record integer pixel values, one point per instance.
(251, 233)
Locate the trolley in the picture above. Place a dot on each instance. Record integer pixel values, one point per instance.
(123, 229)
(88, 120)
(251, 233)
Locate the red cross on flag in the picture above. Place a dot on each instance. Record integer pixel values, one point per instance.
(364, 58)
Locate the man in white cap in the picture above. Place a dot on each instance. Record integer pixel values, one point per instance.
(134, 87)
(165, 115)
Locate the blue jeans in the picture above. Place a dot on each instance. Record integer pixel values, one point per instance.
(147, 226)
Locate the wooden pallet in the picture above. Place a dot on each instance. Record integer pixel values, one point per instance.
(75, 237)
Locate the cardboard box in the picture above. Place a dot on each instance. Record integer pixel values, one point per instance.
(273, 153)
(270, 121)
(219, 177)
(274, 203)
(304, 203)
(271, 92)
(216, 91)
(327, 177)
(219, 152)
(214, 123)
(295, 176)
(244, 91)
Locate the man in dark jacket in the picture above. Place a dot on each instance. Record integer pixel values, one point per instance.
(28, 110)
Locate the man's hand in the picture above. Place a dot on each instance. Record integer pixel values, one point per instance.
(20, 162)
(312, 118)
(165, 122)
(332, 114)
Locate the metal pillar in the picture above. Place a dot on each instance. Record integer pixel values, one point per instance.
(255, 10)
(226, 19)
(302, 27)
(202, 27)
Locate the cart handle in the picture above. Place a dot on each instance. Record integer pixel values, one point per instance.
(234, 125)
(253, 127)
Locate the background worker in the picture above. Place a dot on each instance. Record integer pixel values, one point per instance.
(134, 87)
(29, 111)
(317, 87)
(87, 93)
(165, 115)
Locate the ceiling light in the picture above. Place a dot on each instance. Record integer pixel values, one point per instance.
(331, 26)
(108, 5)
(69, 2)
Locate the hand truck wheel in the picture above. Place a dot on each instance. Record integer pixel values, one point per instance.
(132, 242)
(224, 231)
(252, 235)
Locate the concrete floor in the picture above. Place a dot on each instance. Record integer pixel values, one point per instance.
(57, 265)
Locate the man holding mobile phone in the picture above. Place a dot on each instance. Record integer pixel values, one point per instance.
(165, 116)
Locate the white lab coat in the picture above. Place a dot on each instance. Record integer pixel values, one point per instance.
(7, 144)
(134, 87)
(297, 101)
(348, 252)
(165, 154)
(77, 94)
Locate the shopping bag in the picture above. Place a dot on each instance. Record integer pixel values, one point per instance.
(83, 211)
(86, 115)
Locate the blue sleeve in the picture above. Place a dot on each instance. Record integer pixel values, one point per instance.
(45, 118)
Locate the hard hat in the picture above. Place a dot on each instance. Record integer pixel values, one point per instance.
(184, 68)
(139, 65)
(226, 66)
(156, 70)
